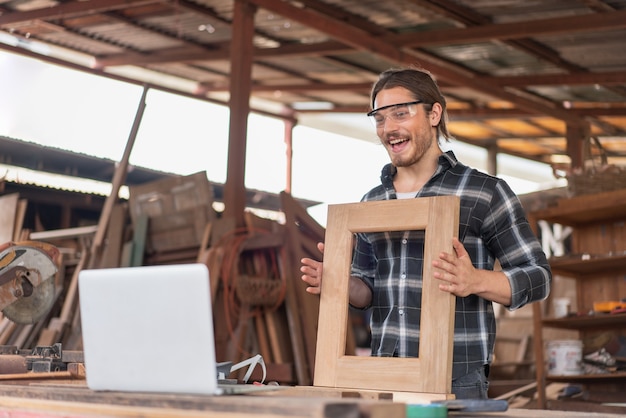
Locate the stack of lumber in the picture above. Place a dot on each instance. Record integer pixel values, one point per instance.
(260, 303)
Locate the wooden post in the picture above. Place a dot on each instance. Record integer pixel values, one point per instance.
(241, 53)
(289, 124)
(577, 133)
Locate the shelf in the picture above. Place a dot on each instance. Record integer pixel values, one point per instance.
(586, 378)
(587, 321)
(591, 208)
(583, 264)
(594, 218)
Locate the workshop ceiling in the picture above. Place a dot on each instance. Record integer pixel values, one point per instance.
(516, 73)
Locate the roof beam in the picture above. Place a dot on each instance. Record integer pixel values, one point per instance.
(70, 9)
(198, 94)
(617, 77)
(469, 17)
(356, 38)
(192, 54)
(474, 113)
(515, 30)
(300, 88)
(387, 48)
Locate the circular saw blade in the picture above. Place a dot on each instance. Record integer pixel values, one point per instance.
(30, 309)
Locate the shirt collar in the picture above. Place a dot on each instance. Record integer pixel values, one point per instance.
(447, 160)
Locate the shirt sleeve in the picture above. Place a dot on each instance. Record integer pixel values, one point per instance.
(363, 261)
(509, 236)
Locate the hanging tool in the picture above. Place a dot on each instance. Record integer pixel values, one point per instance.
(27, 286)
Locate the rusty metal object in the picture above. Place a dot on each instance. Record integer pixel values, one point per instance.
(27, 291)
(12, 363)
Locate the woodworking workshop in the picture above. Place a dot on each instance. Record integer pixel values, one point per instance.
(313, 208)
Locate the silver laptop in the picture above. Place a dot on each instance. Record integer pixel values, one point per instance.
(150, 329)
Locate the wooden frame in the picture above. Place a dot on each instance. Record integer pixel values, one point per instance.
(431, 371)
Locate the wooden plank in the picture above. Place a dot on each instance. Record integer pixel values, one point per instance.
(274, 334)
(91, 258)
(140, 234)
(35, 408)
(214, 258)
(303, 234)
(182, 229)
(59, 234)
(20, 212)
(587, 208)
(241, 337)
(114, 238)
(7, 329)
(126, 254)
(203, 251)
(264, 240)
(431, 371)
(262, 338)
(119, 178)
(23, 336)
(8, 209)
(293, 309)
(76, 374)
(398, 397)
(171, 195)
(70, 398)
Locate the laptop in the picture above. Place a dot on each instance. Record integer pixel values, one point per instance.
(150, 329)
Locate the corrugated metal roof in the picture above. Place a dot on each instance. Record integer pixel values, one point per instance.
(514, 71)
(85, 174)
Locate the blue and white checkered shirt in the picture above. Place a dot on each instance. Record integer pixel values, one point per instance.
(492, 226)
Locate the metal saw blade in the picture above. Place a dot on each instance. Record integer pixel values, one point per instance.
(30, 309)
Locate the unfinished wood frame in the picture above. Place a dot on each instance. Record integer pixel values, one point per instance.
(431, 371)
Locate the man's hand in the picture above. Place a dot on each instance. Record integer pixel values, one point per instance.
(456, 271)
(459, 277)
(312, 272)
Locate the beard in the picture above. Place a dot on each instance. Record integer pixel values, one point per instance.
(417, 148)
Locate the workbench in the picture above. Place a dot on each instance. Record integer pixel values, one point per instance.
(72, 399)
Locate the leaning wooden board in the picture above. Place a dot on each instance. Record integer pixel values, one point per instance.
(8, 212)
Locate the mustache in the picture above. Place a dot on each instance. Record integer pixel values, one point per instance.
(394, 137)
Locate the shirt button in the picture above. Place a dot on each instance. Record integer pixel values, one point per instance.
(403, 276)
(401, 311)
(404, 241)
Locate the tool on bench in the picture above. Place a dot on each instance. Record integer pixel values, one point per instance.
(41, 360)
(27, 286)
(445, 408)
(475, 405)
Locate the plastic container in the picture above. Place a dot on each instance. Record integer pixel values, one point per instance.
(564, 357)
(426, 411)
(561, 307)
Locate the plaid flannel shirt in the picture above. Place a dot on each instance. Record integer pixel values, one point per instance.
(492, 226)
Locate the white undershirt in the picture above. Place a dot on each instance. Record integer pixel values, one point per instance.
(406, 195)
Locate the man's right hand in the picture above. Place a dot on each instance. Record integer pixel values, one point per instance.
(312, 272)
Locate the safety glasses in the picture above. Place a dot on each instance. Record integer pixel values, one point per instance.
(396, 112)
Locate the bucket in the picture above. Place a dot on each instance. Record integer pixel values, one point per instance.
(561, 307)
(565, 357)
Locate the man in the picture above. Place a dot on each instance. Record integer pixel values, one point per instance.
(409, 113)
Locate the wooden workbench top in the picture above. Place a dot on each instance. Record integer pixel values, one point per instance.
(51, 400)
